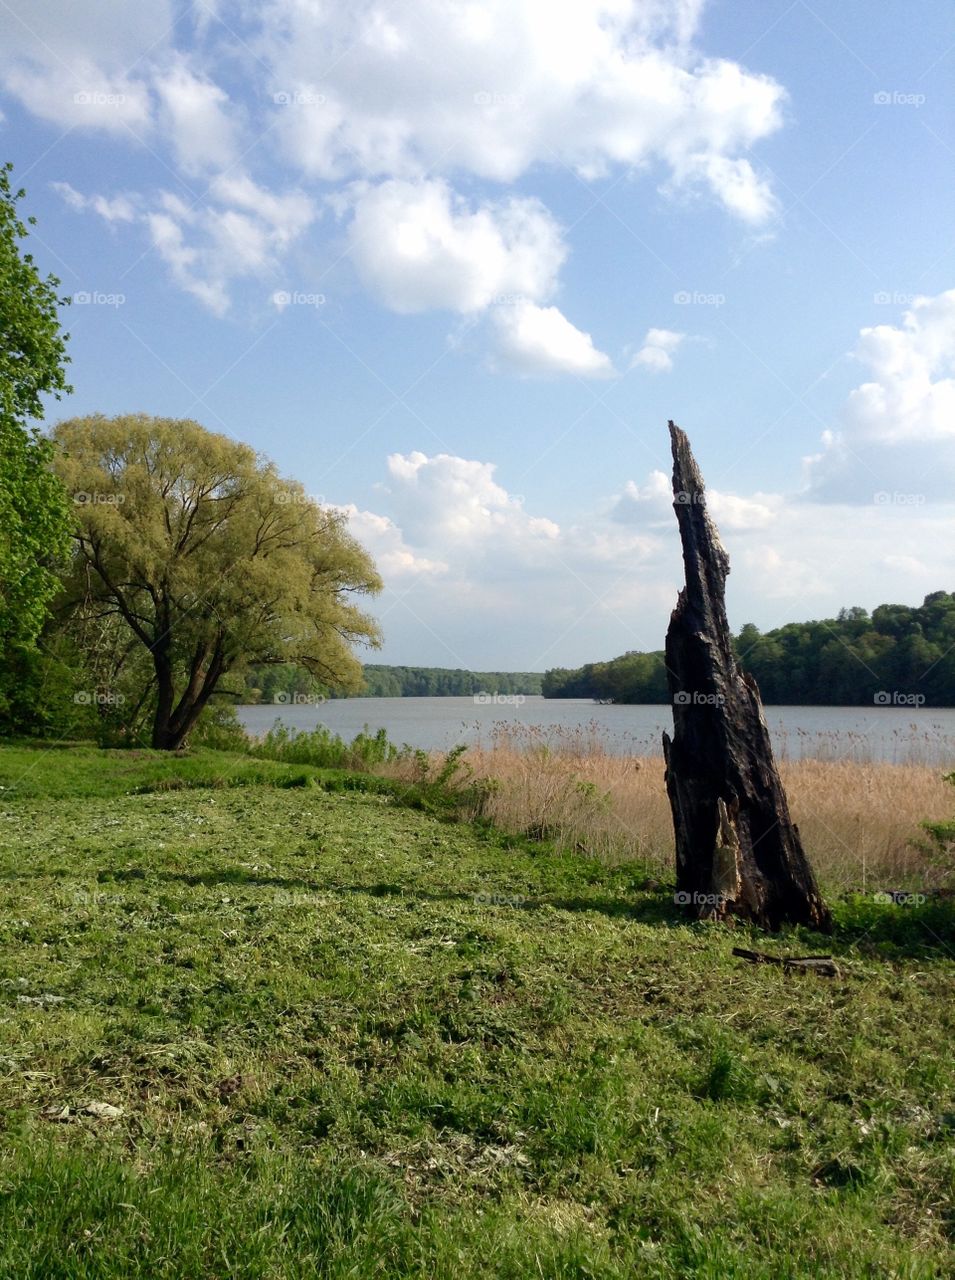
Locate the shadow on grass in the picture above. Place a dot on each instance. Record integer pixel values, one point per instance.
(863, 926)
(648, 908)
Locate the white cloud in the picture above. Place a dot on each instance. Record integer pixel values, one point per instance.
(778, 576)
(84, 64)
(240, 231)
(908, 565)
(734, 513)
(498, 87)
(657, 351)
(651, 505)
(417, 247)
(540, 341)
(81, 96)
(401, 107)
(119, 208)
(477, 576)
(447, 501)
(508, 581)
(196, 117)
(384, 541)
(897, 435)
(286, 216)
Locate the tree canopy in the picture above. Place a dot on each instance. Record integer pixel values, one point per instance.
(902, 655)
(34, 515)
(194, 557)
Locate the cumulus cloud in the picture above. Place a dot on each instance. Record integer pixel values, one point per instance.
(195, 114)
(241, 230)
(120, 208)
(896, 438)
(471, 570)
(657, 351)
(84, 65)
(498, 87)
(403, 108)
(537, 341)
(417, 246)
(469, 567)
(449, 501)
(384, 540)
(651, 504)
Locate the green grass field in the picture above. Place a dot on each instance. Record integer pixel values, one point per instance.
(339, 1037)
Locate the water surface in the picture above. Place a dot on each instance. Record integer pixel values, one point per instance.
(901, 735)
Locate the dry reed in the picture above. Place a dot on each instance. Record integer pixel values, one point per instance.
(859, 820)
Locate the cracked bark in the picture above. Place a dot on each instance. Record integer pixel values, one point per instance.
(738, 852)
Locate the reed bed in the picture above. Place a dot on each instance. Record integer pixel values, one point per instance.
(860, 820)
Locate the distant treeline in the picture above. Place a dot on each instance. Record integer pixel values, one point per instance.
(288, 683)
(898, 656)
(443, 682)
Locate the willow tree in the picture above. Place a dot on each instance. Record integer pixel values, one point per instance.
(210, 559)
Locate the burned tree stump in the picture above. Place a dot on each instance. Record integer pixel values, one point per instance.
(738, 852)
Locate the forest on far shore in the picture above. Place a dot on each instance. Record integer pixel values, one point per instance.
(899, 655)
(287, 683)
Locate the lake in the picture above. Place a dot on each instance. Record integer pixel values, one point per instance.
(901, 735)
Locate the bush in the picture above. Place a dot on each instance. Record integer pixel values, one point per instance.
(941, 851)
(326, 750)
(219, 729)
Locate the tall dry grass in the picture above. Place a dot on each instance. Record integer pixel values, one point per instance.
(860, 821)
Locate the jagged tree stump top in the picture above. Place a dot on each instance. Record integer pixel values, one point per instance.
(738, 852)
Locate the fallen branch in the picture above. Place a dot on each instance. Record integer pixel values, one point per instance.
(823, 965)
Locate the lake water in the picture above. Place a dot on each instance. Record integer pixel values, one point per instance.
(901, 735)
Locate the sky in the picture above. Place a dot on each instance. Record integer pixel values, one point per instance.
(454, 264)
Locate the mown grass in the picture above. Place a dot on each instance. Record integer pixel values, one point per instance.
(345, 1038)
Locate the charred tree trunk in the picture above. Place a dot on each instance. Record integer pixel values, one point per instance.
(738, 853)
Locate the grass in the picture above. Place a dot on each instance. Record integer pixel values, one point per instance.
(344, 1038)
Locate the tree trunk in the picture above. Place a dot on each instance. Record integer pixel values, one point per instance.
(165, 694)
(738, 853)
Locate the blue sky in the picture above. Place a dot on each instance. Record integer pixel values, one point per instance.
(454, 265)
